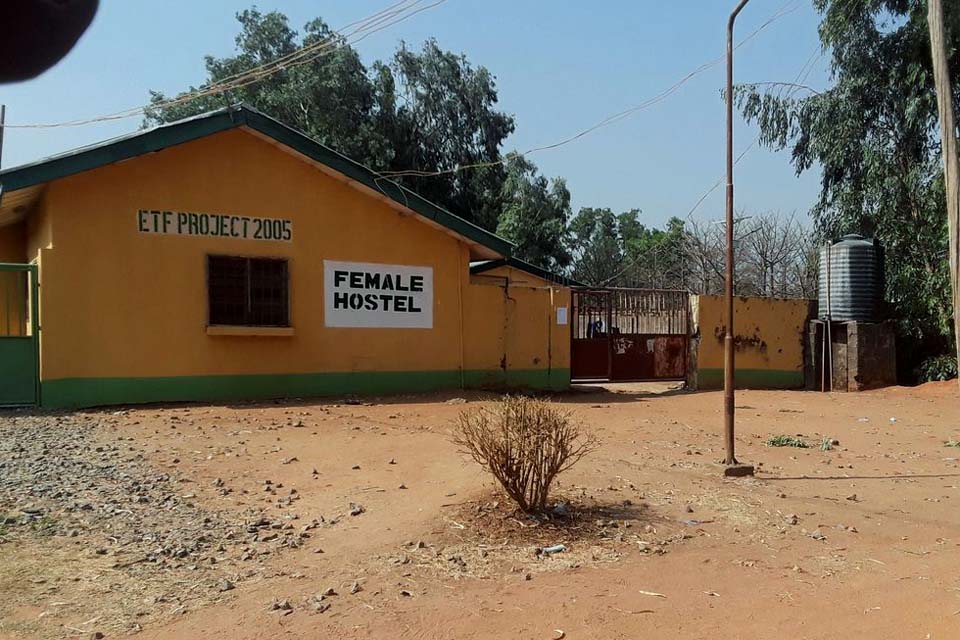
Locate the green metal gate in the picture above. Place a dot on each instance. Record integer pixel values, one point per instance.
(19, 354)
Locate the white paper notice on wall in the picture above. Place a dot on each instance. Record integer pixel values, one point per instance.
(561, 315)
(371, 295)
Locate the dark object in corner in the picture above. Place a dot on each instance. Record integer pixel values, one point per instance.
(36, 34)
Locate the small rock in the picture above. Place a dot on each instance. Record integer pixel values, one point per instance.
(329, 591)
(356, 509)
(226, 585)
(818, 535)
(792, 519)
(355, 587)
(281, 605)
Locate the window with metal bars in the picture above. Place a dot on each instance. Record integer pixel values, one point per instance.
(251, 292)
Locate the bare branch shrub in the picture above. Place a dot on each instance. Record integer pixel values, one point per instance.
(525, 443)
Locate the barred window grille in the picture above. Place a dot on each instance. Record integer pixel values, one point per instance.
(248, 291)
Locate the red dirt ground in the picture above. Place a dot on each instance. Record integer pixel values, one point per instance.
(873, 552)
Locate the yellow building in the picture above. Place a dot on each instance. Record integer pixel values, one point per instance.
(230, 257)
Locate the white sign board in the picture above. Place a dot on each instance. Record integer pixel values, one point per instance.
(365, 295)
(561, 315)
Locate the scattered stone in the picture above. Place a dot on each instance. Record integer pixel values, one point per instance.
(405, 593)
(355, 467)
(329, 591)
(392, 461)
(792, 519)
(356, 509)
(355, 587)
(281, 605)
(818, 535)
(402, 486)
(226, 585)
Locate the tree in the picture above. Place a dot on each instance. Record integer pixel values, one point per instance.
(873, 134)
(535, 214)
(596, 246)
(948, 137)
(427, 111)
(656, 257)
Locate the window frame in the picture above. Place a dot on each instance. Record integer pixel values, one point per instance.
(247, 282)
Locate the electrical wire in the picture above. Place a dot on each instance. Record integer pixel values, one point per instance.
(802, 76)
(350, 34)
(789, 7)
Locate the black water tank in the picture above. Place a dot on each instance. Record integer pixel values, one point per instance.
(851, 280)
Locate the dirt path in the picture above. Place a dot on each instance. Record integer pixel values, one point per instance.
(856, 541)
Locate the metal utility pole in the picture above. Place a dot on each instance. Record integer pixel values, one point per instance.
(732, 467)
(3, 121)
(948, 136)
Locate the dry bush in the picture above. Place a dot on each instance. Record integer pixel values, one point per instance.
(525, 443)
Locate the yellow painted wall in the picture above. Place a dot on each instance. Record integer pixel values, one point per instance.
(13, 243)
(768, 336)
(13, 285)
(510, 324)
(117, 304)
(135, 304)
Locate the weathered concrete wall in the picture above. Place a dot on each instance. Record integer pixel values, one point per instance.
(863, 356)
(768, 339)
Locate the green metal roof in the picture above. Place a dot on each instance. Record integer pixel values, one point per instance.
(521, 265)
(152, 140)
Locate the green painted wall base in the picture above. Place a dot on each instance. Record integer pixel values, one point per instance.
(751, 379)
(90, 392)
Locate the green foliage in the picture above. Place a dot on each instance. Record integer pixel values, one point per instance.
(427, 110)
(943, 367)
(597, 245)
(535, 214)
(874, 136)
(618, 250)
(952, 443)
(786, 441)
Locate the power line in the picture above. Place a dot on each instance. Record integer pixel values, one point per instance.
(787, 8)
(803, 74)
(357, 30)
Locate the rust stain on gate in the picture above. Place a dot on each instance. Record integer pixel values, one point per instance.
(629, 334)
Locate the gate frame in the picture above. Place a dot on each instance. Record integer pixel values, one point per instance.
(33, 272)
(609, 292)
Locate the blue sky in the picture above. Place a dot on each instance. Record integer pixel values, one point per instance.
(561, 66)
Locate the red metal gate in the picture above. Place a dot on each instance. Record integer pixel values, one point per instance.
(629, 334)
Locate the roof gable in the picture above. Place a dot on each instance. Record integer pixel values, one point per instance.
(182, 131)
